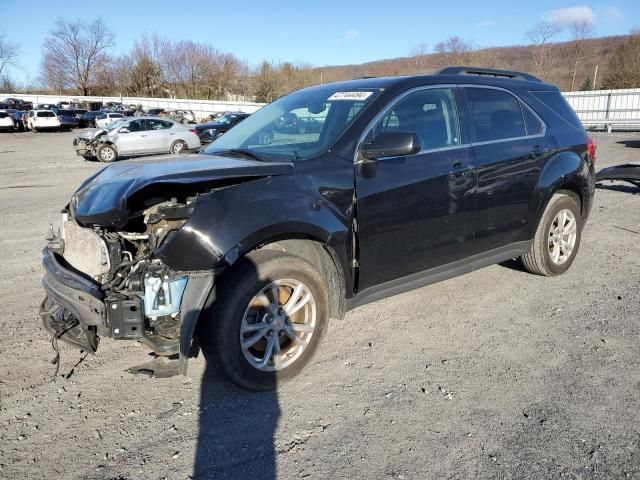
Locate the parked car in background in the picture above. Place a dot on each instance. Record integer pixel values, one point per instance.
(136, 136)
(64, 105)
(19, 118)
(16, 103)
(46, 106)
(88, 119)
(210, 131)
(184, 116)
(154, 112)
(105, 118)
(7, 122)
(43, 120)
(68, 118)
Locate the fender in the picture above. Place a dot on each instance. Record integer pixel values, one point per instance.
(230, 222)
(566, 168)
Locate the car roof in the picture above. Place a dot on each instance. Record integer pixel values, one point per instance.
(400, 82)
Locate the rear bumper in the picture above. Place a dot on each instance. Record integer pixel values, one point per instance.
(73, 308)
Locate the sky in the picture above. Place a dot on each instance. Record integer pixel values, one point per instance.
(325, 32)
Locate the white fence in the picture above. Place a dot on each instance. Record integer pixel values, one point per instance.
(596, 108)
(618, 109)
(201, 108)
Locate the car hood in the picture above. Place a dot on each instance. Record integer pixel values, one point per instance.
(121, 191)
(90, 133)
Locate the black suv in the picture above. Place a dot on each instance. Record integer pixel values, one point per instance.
(247, 249)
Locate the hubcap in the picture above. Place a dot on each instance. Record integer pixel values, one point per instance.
(107, 154)
(177, 148)
(278, 325)
(562, 236)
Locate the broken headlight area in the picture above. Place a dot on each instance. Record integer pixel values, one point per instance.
(108, 283)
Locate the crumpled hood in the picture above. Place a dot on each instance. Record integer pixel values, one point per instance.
(105, 198)
(90, 133)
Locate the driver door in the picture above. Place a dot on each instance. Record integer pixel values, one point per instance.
(415, 212)
(133, 141)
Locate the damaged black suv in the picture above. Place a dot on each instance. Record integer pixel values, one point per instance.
(247, 249)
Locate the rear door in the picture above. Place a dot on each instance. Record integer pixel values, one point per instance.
(510, 148)
(160, 135)
(416, 212)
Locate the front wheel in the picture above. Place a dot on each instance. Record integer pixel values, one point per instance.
(269, 316)
(107, 153)
(557, 238)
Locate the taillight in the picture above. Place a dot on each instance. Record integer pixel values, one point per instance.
(193, 130)
(591, 149)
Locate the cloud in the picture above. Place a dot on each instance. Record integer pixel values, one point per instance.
(565, 17)
(611, 14)
(485, 24)
(351, 34)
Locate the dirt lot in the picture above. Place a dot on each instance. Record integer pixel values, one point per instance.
(497, 374)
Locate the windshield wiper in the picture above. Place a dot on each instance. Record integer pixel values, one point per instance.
(243, 151)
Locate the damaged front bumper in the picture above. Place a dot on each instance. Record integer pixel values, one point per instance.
(78, 310)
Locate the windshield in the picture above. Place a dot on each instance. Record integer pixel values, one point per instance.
(113, 125)
(298, 126)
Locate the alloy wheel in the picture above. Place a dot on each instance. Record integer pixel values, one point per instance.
(562, 236)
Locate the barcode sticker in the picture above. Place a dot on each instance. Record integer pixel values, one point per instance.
(350, 96)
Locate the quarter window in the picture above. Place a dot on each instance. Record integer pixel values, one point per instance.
(533, 123)
(430, 114)
(496, 114)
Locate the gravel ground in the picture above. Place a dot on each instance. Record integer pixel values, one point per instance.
(496, 374)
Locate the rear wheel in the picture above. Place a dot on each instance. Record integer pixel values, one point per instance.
(178, 146)
(107, 153)
(557, 238)
(270, 314)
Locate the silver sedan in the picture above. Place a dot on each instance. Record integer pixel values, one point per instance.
(133, 137)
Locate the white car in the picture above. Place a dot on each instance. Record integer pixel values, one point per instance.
(6, 121)
(43, 120)
(106, 118)
(134, 136)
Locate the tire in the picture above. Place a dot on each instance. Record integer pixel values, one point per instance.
(540, 258)
(107, 153)
(220, 329)
(178, 147)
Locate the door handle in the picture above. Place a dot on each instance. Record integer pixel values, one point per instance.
(460, 169)
(538, 151)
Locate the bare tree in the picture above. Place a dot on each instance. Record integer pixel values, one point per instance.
(8, 54)
(540, 36)
(454, 50)
(419, 57)
(581, 30)
(74, 53)
(625, 64)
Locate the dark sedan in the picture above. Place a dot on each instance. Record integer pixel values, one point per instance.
(208, 132)
(88, 119)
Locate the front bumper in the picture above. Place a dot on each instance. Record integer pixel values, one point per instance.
(73, 309)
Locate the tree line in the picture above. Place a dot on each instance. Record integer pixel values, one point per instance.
(78, 58)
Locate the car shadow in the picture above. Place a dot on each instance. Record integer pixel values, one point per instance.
(236, 437)
(618, 187)
(630, 143)
(513, 264)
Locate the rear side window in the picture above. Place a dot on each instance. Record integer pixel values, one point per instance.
(532, 122)
(559, 105)
(159, 124)
(4, 114)
(496, 114)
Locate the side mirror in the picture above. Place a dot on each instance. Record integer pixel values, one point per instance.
(391, 144)
(123, 130)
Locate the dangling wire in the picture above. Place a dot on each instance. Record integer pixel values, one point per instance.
(54, 344)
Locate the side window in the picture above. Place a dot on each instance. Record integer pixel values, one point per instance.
(158, 124)
(496, 114)
(430, 113)
(532, 123)
(136, 126)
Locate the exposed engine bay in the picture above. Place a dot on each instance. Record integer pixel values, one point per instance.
(142, 297)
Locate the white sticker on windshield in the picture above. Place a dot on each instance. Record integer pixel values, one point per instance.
(350, 96)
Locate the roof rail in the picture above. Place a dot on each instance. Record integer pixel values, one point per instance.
(488, 72)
